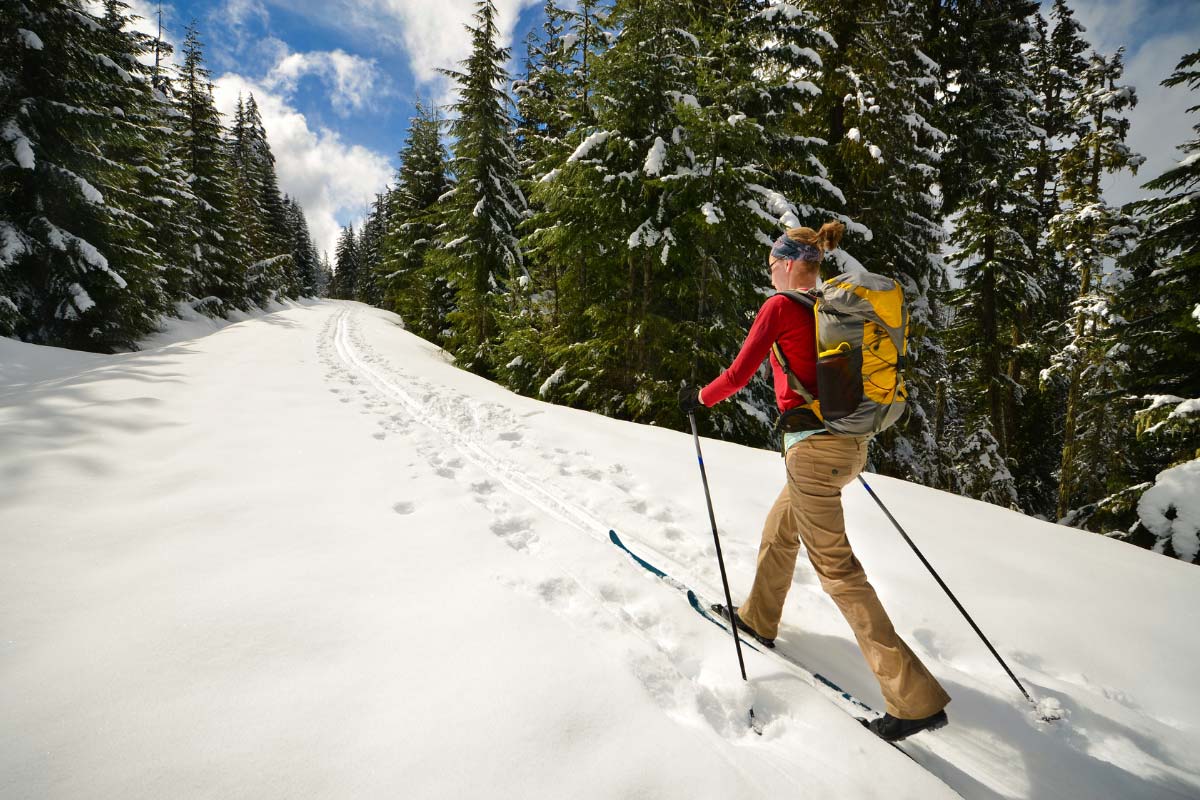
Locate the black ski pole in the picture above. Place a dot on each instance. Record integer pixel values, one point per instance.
(1045, 716)
(737, 642)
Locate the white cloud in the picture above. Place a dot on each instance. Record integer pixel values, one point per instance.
(431, 32)
(330, 179)
(355, 83)
(236, 17)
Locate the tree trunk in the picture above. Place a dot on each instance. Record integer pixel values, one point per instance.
(989, 333)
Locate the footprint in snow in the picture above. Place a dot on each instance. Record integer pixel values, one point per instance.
(514, 531)
(555, 590)
(612, 593)
(509, 436)
(404, 508)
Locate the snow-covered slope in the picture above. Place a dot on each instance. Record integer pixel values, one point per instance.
(305, 556)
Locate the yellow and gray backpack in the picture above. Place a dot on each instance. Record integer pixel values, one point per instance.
(862, 342)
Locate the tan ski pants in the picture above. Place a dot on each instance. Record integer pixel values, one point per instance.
(809, 509)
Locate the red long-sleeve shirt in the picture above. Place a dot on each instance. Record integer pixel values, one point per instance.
(779, 320)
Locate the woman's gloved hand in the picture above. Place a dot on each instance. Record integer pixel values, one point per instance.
(689, 399)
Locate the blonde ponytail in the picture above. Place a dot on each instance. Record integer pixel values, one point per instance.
(826, 239)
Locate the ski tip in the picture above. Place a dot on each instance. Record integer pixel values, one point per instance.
(755, 724)
(612, 535)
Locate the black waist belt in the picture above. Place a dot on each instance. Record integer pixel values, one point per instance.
(795, 420)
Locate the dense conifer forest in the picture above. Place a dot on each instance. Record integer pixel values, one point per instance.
(123, 192)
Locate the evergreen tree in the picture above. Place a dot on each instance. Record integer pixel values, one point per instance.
(665, 206)
(986, 110)
(882, 149)
(266, 230)
(1088, 231)
(325, 277)
(305, 278)
(479, 248)
(413, 287)
(553, 105)
(218, 263)
(159, 190)
(543, 119)
(345, 278)
(74, 273)
(1032, 408)
(246, 186)
(1157, 326)
(371, 283)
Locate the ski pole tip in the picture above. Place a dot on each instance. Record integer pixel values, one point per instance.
(1050, 709)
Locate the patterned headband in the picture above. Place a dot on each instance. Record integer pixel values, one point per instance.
(789, 248)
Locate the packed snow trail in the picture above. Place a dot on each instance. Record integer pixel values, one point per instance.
(306, 555)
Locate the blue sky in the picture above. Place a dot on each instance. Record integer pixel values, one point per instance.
(337, 80)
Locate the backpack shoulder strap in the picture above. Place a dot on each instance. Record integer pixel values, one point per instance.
(794, 383)
(803, 298)
(793, 380)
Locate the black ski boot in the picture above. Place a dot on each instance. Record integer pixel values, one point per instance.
(893, 729)
(719, 608)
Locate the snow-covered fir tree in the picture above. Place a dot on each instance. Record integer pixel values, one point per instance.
(371, 269)
(325, 277)
(345, 276)
(1157, 325)
(307, 263)
(986, 111)
(1088, 231)
(218, 259)
(246, 186)
(159, 192)
(413, 287)
(1033, 409)
(479, 249)
(882, 149)
(261, 210)
(666, 205)
(75, 271)
(542, 119)
(553, 105)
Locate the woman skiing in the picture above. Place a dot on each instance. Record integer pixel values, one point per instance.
(809, 508)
